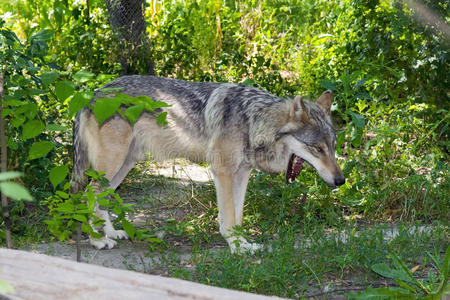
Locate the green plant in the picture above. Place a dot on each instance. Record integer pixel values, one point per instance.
(29, 132)
(12, 189)
(388, 71)
(66, 209)
(5, 287)
(432, 287)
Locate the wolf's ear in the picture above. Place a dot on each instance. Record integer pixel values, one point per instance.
(298, 110)
(325, 100)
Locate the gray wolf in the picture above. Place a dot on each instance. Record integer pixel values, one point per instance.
(234, 128)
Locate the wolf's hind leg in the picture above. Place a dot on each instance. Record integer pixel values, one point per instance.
(106, 242)
(116, 180)
(112, 147)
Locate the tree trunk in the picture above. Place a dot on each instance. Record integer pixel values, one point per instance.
(128, 23)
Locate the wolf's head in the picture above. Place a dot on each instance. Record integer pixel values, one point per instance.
(309, 136)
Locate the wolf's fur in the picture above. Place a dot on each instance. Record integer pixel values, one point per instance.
(234, 128)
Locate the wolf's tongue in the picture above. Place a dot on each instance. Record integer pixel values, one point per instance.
(294, 167)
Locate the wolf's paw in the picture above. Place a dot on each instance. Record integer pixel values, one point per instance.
(241, 246)
(103, 243)
(116, 234)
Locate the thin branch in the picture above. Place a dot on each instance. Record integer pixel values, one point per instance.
(78, 242)
(4, 166)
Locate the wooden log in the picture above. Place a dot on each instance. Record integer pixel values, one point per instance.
(37, 276)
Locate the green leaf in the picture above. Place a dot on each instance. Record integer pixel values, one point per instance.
(29, 110)
(34, 92)
(83, 76)
(5, 288)
(80, 218)
(153, 240)
(16, 122)
(78, 101)
(9, 175)
(129, 228)
(117, 210)
(7, 112)
(85, 227)
(382, 293)
(357, 133)
(159, 104)
(32, 128)
(401, 265)
(11, 144)
(127, 99)
(102, 195)
(14, 102)
(40, 149)
(132, 113)
(445, 269)
(62, 194)
(360, 83)
(55, 127)
(385, 271)
(66, 207)
(320, 39)
(105, 108)
(249, 82)
(405, 285)
(357, 120)
(161, 118)
(15, 191)
(64, 89)
(328, 84)
(58, 174)
(48, 78)
(103, 202)
(43, 35)
(10, 37)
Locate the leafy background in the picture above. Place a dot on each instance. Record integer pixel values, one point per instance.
(387, 67)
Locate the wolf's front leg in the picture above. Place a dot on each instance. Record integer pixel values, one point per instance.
(228, 208)
(240, 181)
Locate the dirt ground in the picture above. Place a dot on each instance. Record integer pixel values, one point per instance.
(154, 202)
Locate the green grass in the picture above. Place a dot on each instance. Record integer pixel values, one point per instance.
(305, 264)
(319, 246)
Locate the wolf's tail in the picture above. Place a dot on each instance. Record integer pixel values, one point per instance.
(80, 158)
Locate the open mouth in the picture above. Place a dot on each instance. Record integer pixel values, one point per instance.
(294, 167)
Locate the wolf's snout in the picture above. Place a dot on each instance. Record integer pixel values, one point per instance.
(340, 180)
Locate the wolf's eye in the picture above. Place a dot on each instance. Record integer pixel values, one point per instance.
(320, 150)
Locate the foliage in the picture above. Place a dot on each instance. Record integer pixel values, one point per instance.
(32, 135)
(317, 263)
(409, 287)
(82, 34)
(34, 99)
(5, 287)
(12, 189)
(387, 67)
(66, 209)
